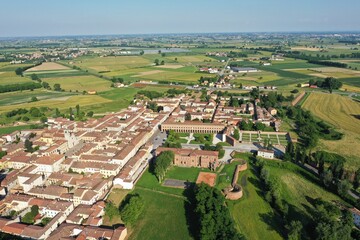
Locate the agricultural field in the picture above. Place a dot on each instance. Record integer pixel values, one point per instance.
(104, 64)
(61, 103)
(343, 114)
(133, 68)
(80, 83)
(48, 66)
(13, 98)
(8, 75)
(325, 72)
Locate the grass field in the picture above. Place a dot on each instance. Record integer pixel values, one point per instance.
(80, 83)
(61, 103)
(163, 217)
(343, 113)
(18, 97)
(8, 78)
(7, 130)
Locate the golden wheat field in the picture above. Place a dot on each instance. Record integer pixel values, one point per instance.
(344, 114)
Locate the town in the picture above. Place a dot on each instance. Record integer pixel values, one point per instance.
(66, 170)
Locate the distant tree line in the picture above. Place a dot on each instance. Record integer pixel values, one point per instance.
(19, 87)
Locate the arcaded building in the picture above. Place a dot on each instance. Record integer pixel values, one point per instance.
(193, 127)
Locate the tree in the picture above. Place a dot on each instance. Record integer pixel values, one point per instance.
(234, 102)
(132, 209)
(356, 182)
(90, 114)
(77, 107)
(162, 62)
(45, 85)
(111, 210)
(213, 215)
(57, 87)
(28, 145)
(34, 99)
(343, 187)
(294, 230)
(327, 178)
(156, 62)
(57, 113)
(142, 52)
(187, 116)
(35, 112)
(43, 119)
(236, 134)
(162, 163)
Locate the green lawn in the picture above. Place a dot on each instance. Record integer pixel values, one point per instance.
(298, 188)
(253, 216)
(7, 130)
(164, 217)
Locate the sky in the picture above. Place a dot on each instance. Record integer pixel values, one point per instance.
(101, 17)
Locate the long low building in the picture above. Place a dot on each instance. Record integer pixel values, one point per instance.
(193, 127)
(192, 157)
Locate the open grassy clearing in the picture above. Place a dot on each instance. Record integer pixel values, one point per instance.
(163, 212)
(61, 103)
(80, 83)
(343, 113)
(251, 211)
(298, 189)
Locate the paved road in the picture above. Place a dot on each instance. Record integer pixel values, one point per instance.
(224, 69)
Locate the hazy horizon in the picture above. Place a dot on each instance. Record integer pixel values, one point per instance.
(66, 18)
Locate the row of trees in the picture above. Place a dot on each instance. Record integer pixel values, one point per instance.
(309, 129)
(328, 83)
(250, 126)
(129, 210)
(150, 94)
(213, 216)
(19, 87)
(328, 221)
(162, 164)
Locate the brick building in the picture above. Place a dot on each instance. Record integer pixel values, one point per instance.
(192, 157)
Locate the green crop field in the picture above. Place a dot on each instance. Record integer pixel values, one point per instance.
(58, 73)
(61, 103)
(343, 113)
(7, 130)
(100, 64)
(80, 83)
(9, 77)
(18, 97)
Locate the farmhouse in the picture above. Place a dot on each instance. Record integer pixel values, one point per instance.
(264, 153)
(192, 157)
